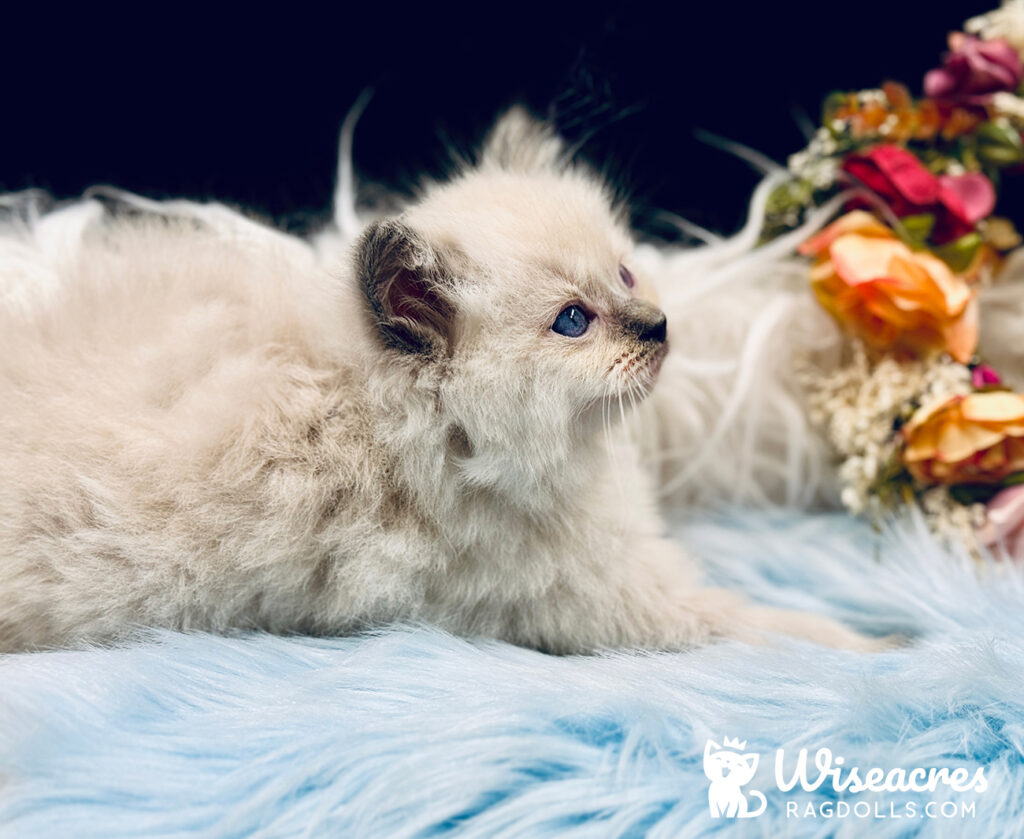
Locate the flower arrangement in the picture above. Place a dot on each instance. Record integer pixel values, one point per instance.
(915, 414)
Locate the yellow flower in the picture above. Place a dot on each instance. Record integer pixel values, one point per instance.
(966, 439)
(892, 298)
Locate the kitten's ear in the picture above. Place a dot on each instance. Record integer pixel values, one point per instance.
(406, 284)
(519, 142)
(711, 746)
(751, 760)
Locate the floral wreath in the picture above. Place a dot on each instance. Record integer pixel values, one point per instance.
(916, 414)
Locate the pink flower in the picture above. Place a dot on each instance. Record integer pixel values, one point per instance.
(984, 376)
(1004, 521)
(975, 193)
(957, 202)
(973, 69)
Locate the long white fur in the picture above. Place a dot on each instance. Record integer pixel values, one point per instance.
(202, 426)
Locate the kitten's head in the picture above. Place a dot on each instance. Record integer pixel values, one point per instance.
(721, 764)
(515, 282)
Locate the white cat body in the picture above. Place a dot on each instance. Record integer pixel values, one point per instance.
(198, 434)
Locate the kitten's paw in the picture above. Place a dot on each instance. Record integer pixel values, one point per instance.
(887, 643)
(764, 625)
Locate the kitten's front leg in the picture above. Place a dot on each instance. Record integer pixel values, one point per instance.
(654, 600)
(756, 624)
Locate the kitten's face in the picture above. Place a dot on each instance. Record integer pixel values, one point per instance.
(519, 281)
(550, 301)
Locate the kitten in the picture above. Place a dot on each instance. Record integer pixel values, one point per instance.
(204, 434)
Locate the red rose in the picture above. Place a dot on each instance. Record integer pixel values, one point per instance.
(908, 188)
(974, 69)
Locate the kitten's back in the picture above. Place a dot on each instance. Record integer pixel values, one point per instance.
(144, 401)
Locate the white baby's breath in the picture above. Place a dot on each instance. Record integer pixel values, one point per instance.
(859, 406)
(816, 163)
(1009, 106)
(952, 522)
(1006, 22)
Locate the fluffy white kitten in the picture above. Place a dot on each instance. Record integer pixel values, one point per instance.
(197, 435)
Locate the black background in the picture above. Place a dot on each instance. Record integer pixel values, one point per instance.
(244, 105)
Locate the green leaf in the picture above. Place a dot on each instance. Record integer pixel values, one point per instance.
(999, 155)
(997, 134)
(999, 145)
(983, 493)
(969, 157)
(958, 255)
(832, 103)
(974, 493)
(917, 229)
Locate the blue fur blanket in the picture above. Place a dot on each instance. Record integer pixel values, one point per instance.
(413, 733)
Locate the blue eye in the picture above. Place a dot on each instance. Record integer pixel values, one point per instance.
(571, 322)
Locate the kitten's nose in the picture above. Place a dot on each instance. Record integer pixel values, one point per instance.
(646, 322)
(655, 331)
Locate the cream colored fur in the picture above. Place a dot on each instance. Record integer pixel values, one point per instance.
(197, 433)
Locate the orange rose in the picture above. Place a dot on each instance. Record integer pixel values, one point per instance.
(966, 439)
(889, 296)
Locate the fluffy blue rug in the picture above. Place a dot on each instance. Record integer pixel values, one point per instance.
(413, 733)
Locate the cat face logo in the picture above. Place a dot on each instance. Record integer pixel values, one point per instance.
(729, 770)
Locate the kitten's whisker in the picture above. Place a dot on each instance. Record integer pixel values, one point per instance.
(608, 442)
(633, 400)
(623, 495)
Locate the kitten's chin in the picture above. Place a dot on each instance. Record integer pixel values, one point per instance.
(657, 359)
(647, 374)
(626, 393)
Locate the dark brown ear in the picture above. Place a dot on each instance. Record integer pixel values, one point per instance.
(405, 283)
